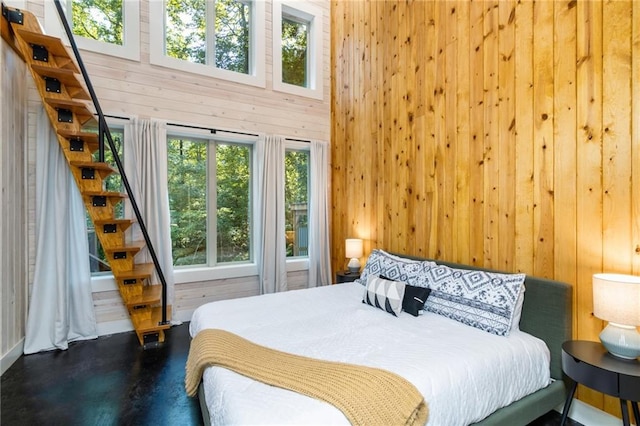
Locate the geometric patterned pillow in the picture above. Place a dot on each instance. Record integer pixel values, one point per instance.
(395, 268)
(481, 299)
(384, 294)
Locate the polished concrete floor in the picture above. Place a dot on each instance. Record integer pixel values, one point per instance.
(111, 381)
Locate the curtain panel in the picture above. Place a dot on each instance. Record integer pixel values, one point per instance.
(61, 305)
(319, 252)
(145, 164)
(272, 248)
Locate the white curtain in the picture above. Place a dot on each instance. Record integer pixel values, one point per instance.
(272, 243)
(61, 305)
(145, 164)
(319, 254)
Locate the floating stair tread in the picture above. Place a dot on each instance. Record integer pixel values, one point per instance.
(141, 270)
(134, 247)
(93, 165)
(66, 77)
(79, 108)
(151, 295)
(148, 325)
(53, 44)
(110, 194)
(70, 104)
(91, 139)
(122, 222)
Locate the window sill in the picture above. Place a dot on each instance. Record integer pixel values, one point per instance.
(102, 283)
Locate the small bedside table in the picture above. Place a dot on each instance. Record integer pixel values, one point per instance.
(346, 276)
(590, 364)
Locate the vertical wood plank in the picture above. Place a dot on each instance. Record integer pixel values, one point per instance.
(543, 138)
(507, 138)
(476, 127)
(589, 172)
(524, 232)
(616, 151)
(635, 140)
(565, 254)
(461, 167)
(491, 157)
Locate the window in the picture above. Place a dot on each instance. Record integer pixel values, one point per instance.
(111, 27)
(297, 48)
(295, 37)
(210, 201)
(98, 262)
(219, 38)
(296, 200)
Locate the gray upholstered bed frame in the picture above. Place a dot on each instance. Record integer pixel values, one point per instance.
(546, 314)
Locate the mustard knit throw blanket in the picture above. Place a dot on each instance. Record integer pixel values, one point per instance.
(366, 396)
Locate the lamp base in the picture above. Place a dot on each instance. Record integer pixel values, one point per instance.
(622, 341)
(354, 265)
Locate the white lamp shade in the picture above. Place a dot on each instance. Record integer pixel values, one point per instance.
(616, 298)
(353, 248)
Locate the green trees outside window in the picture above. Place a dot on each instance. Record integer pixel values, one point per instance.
(296, 199)
(209, 193)
(98, 20)
(295, 35)
(213, 33)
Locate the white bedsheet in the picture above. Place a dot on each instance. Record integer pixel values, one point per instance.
(463, 373)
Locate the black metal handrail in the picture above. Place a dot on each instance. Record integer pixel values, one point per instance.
(104, 131)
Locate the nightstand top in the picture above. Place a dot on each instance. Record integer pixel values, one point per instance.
(595, 354)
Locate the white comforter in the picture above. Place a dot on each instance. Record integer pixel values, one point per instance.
(464, 374)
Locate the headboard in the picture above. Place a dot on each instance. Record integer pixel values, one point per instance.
(546, 312)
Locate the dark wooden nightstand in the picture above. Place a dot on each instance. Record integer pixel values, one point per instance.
(590, 364)
(346, 276)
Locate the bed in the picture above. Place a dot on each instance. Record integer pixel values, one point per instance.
(466, 375)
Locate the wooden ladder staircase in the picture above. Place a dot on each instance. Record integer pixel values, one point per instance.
(64, 97)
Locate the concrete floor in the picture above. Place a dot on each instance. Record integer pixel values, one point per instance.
(111, 381)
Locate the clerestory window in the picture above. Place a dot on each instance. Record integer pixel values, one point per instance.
(219, 38)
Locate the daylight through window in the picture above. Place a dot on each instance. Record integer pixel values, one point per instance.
(210, 33)
(98, 20)
(209, 199)
(296, 199)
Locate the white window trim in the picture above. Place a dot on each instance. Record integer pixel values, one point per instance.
(313, 15)
(257, 50)
(130, 48)
(106, 282)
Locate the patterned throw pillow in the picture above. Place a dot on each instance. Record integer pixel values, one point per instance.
(481, 299)
(384, 294)
(395, 268)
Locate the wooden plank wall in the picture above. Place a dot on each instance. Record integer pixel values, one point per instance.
(504, 134)
(13, 233)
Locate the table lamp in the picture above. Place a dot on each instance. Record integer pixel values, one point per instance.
(353, 250)
(616, 299)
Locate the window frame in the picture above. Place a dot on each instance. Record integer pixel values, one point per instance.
(130, 48)
(305, 12)
(213, 269)
(255, 77)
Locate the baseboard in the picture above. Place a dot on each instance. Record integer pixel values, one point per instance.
(590, 416)
(12, 356)
(113, 327)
